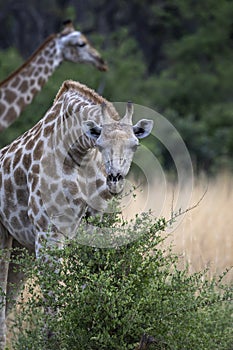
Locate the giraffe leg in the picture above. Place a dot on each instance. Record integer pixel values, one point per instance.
(5, 245)
(16, 277)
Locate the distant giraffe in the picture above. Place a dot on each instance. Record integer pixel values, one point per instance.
(73, 160)
(18, 90)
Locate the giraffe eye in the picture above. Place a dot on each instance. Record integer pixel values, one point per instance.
(135, 147)
(82, 44)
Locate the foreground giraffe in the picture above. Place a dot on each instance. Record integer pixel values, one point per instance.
(72, 161)
(18, 90)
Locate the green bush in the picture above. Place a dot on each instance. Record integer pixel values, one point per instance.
(106, 298)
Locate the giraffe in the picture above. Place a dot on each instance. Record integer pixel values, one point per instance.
(19, 89)
(72, 161)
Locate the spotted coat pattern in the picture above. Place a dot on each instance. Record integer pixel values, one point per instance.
(19, 89)
(72, 161)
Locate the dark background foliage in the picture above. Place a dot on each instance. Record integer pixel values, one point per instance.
(172, 56)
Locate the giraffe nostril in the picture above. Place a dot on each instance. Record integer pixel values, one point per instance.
(114, 178)
(119, 177)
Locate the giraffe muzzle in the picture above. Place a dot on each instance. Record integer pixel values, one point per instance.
(98, 61)
(115, 183)
(101, 64)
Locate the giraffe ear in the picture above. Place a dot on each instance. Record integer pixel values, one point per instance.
(91, 129)
(143, 128)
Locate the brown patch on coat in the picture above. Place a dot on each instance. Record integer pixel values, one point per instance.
(38, 151)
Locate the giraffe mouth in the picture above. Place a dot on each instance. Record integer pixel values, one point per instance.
(115, 183)
(101, 64)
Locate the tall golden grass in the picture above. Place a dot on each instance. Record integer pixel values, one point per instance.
(204, 236)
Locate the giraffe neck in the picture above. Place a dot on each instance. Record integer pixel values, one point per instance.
(66, 158)
(18, 90)
(74, 104)
(65, 122)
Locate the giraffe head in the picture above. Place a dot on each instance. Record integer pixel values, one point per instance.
(76, 48)
(117, 142)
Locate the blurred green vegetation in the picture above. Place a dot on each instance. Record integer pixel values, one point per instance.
(181, 67)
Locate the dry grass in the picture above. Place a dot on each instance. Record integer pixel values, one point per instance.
(204, 237)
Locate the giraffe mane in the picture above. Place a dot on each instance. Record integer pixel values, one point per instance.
(89, 94)
(50, 38)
